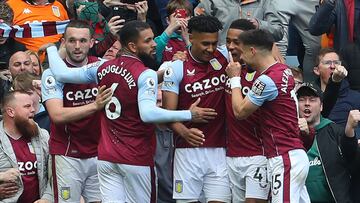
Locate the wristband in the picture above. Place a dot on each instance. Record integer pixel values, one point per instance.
(235, 82)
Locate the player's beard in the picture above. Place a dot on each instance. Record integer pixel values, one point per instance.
(148, 60)
(27, 127)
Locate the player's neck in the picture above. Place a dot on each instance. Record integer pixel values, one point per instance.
(125, 51)
(265, 63)
(76, 64)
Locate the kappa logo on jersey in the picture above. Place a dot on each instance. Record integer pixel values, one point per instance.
(65, 193)
(56, 11)
(215, 64)
(26, 11)
(178, 186)
(258, 87)
(168, 49)
(190, 72)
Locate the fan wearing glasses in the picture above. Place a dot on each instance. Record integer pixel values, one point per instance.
(329, 65)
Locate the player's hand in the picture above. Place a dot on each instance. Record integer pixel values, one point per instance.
(255, 23)
(303, 125)
(180, 55)
(111, 3)
(199, 11)
(201, 115)
(352, 122)
(234, 68)
(5, 75)
(43, 48)
(42, 201)
(193, 136)
(103, 97)
(8, 189)
(141, 9)
(10, 175)
(115, 24)
(339, 73)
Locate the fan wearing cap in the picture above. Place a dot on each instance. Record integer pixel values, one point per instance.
(328, 178)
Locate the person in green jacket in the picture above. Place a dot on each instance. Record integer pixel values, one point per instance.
(331, 151)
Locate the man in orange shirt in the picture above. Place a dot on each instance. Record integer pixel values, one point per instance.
(31, 11)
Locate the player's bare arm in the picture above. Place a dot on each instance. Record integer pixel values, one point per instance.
(60, 114)
(241, 106)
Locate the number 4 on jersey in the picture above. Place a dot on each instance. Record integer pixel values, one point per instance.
(113, 114)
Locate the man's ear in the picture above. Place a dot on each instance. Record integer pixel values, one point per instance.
(316, 70)
(10, 112)
(92, 41)
(191, 38)
(132, 47)
(253, 50)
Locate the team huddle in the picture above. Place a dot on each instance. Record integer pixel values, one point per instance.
(240, 141)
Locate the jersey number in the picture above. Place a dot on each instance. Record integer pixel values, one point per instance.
(112, 115)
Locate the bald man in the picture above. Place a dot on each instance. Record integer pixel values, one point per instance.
(20, 62)
(25, 148)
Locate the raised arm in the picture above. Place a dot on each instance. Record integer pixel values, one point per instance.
(85, 74)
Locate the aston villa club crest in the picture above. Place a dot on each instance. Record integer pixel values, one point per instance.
(56, 11)
(65, 193)
(178, 186)
(215, 64)
(250, 76)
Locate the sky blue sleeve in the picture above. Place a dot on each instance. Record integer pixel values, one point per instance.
(173, 76)
(147, 93)
(50, 88)
(263, 89)
(84, 74)
(224, 51)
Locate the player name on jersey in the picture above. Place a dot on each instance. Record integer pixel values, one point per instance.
(119, 70)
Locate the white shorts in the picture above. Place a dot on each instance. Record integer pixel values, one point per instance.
(120, 183)
(73, 178)
(201, 171)
(248, 178)
(288, 174)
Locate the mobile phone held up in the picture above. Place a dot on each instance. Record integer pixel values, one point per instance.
(124, 13)
(180, 13)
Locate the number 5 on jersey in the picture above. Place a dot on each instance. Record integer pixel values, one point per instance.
(113, 108)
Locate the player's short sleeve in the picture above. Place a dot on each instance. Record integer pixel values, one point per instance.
(224, 51)
(50, 88)
(263, 89)
(147, 85)
(172, 76)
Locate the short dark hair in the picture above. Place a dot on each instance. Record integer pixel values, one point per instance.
(202, 23)
(131, 31)
(179, 4)
(78, 24)
(9, 97)
(323, 52)
(258, 38)
(242, 24)
(6, 13)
